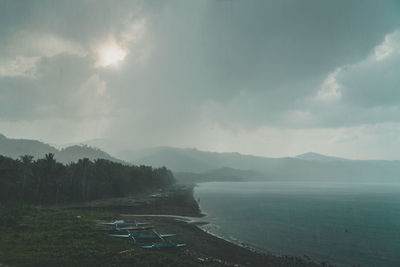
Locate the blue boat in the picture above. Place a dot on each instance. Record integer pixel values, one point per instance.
(121, 224)
(161, 245)
(144, 234)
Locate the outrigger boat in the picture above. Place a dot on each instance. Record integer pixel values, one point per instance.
(143, 234)
(161, 245)
(140, 234)
(127, 230)
(122, 224)
(149, 239)
(119, 226)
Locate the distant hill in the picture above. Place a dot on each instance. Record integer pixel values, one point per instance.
(318, 157)
(73, 153)
(306, 167)
(196, 165)
(104, 144)
(15, 148)
(184, 160)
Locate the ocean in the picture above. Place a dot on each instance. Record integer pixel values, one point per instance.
(345, 224)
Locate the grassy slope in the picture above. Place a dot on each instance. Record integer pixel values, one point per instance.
(32, 237)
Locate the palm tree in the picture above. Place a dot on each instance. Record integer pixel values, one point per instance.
(26, 172)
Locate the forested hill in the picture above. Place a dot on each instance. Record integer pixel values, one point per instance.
(76, 152)
(46, 181)
(16, 148)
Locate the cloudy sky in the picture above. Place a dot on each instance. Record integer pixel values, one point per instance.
(272, 78)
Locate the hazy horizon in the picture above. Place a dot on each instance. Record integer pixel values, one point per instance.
(265, 78)
(115, 150)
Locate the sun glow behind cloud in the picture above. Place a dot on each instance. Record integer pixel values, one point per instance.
(122, 70)
(110, 54)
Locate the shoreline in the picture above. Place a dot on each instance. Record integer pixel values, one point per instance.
(177, 200)
(196, 222)
(175, 210)
(249, 256)
(208, 247)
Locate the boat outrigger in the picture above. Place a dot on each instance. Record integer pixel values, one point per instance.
(161, 245)
(119, 226)
(140, 234)
(122, 224)
(149, 239)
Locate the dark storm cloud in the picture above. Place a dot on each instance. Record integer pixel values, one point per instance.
(190, 64)
(47, 95)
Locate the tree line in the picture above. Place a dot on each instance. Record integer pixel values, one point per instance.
(46, 181)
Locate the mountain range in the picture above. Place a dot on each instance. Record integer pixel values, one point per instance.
(14, 148)
(192, 165)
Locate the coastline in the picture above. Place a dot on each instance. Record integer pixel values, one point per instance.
(176, 211)
(177, 200)
(207, 247)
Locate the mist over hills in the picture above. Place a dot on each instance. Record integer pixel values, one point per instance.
(318, 157)
(193, 160)
(14, 148)
(193, 165)
(305, 167)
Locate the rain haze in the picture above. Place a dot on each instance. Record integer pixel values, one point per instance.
(247, 132)
(268, 78)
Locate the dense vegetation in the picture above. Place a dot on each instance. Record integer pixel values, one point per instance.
(32, 237)
(46, 181)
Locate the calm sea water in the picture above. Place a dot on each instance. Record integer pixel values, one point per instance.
(345, 224)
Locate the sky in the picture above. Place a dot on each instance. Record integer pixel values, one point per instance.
(269, 78)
